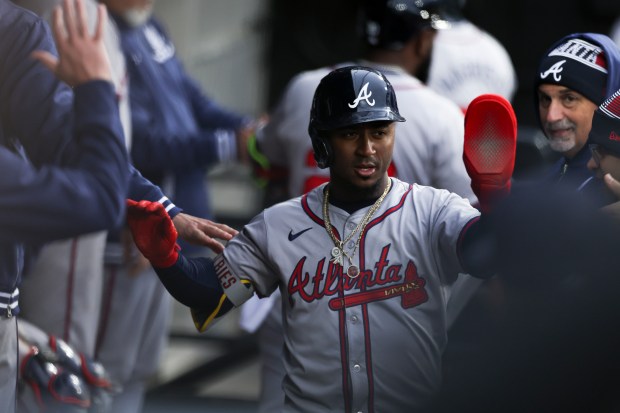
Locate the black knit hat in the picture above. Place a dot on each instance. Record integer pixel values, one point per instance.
(606, 125)
(577, 64)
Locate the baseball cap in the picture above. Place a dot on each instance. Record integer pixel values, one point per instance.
(577, 64)
(606, 125)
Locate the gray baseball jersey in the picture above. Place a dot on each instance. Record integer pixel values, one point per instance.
(371, 343)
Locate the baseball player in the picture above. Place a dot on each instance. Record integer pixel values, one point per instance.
(428, 151)
(468, 62)
(365, 264)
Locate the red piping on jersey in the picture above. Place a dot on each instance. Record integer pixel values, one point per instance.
(105, 310)
(369, 371)
(342, 319)
(70, 282)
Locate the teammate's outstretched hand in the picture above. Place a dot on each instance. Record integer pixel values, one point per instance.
(153, 232)
(82, 57)
(489, 148)
(200, 231)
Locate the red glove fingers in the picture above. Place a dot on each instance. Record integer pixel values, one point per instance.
(490, 147)
(153, 232)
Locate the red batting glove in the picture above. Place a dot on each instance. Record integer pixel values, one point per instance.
(153, 232)
(490, 147)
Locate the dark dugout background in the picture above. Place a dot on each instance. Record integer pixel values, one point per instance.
(307, 35)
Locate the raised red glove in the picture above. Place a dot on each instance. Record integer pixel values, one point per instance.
(490, 147)
(153, 232)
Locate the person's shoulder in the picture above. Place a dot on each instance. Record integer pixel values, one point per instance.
(426, 102)
(16, 21)
(310, 199)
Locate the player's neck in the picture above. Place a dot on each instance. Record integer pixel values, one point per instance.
(355, 199)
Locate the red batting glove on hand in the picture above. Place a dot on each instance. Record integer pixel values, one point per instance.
(489, 148)
(153, 232)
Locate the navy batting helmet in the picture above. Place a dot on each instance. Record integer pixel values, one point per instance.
(389, 24)
(348, 96)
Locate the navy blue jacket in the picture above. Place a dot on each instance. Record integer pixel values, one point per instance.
(39, 131)
(174, 124)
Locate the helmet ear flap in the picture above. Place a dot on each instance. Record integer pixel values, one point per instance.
(323, 153)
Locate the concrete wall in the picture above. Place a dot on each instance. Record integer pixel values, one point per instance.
(222, 43)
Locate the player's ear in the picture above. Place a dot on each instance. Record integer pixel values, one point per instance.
(423, 43)
(323, 153)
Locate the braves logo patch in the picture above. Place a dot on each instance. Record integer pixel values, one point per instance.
(364, 94)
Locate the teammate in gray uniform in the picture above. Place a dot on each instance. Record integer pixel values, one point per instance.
(365, 264)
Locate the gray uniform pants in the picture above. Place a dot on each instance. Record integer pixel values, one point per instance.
(8, 364)
(134, 329)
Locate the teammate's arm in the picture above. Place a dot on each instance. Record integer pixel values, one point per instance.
(207, 286)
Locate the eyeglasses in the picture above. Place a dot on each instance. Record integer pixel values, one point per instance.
(597, 153)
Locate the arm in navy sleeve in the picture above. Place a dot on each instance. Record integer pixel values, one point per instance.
(193, 282)
(477, 248)
(156, 149)
(209, 114)
(35, 106)
(142, 188)
(85, 195)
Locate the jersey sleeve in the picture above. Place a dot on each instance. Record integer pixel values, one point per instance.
(452, 215)
(87, 194)
(35, 106)
(247, 256)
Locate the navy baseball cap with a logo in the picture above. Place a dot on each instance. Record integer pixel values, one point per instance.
(606, 125)
(577, 64)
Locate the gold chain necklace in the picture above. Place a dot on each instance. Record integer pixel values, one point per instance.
(338, 251)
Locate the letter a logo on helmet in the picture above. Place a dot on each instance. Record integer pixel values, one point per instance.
(336, 104)
(363, 95)
(555, 70)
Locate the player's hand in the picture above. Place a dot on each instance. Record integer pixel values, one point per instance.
(614, 186)
(200, 231)
(153, 232)
(82, 57)
(489, 148)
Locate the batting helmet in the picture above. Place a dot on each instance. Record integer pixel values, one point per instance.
(349, 96)
(389, 24)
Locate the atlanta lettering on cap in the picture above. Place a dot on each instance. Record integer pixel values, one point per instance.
(583, 52)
